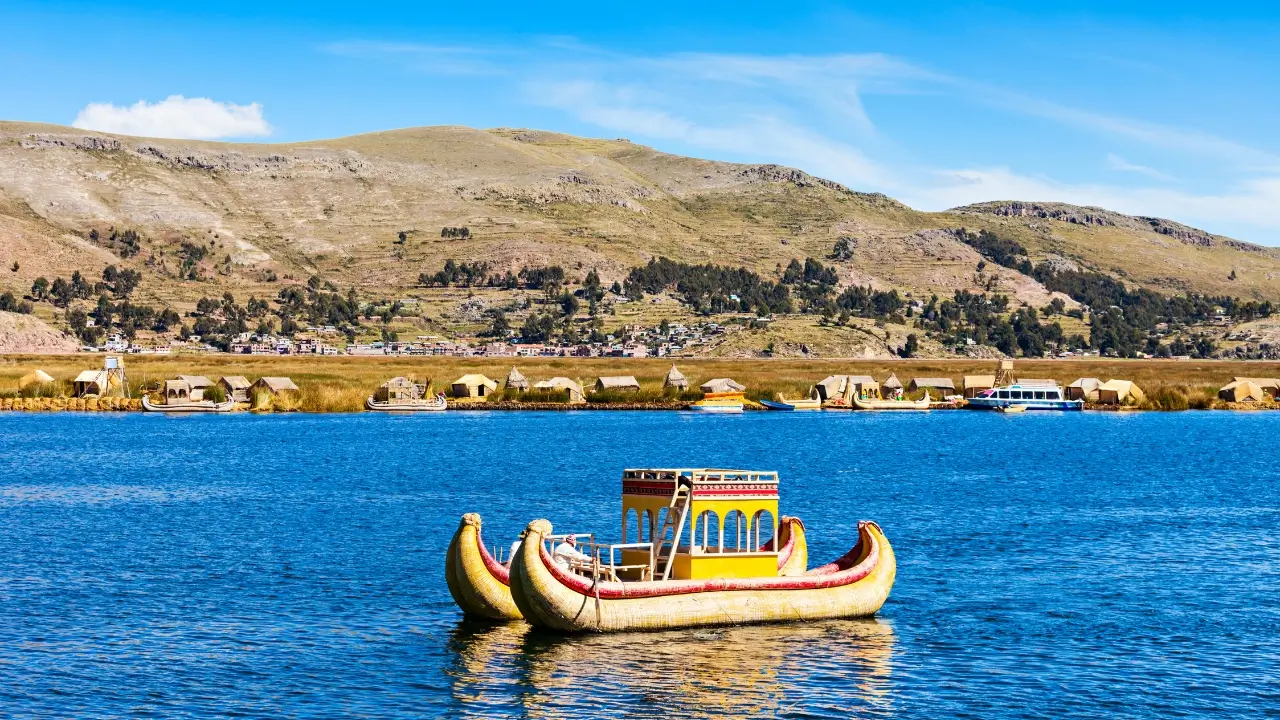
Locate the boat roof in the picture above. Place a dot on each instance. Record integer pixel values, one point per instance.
(704, 482)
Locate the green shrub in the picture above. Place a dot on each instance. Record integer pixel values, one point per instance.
(216, 393)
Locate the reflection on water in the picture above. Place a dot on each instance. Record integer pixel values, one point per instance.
(817, 669)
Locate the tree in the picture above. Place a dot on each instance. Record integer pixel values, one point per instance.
(843, 249)
(911, 348)
(40, 288)
(61, 292)
(568, 305)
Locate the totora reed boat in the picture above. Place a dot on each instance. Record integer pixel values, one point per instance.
(199, 406)
(479, 584)
(704, 550)
(921, 404)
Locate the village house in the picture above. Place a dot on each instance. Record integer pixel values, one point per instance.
(562, 384)
(1084, 389)
(975, 385)
(623, 383)
(473, 385)
(236, 387)
(274, 385)
(942, 385)
(90, 382)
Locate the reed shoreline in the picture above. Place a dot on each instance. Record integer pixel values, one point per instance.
(342, 383)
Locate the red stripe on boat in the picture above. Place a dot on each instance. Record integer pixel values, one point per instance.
(837, 574)
(496, 569)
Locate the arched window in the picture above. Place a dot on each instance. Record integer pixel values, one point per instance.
(761, 529)
(707, 532)
(644, 533)
(660, 535)
(631, 522)
(735, 531)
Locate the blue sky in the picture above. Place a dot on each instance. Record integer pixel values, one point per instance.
(1167, 109)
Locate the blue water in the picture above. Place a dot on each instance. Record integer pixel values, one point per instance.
(1083, 565)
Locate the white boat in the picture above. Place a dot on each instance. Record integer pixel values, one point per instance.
(1037, 396)
(435, 403)
(199, 406)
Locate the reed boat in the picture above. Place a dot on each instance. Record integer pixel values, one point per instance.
(720, 402)
(199, 406)
(436, 403)
(792, 405)
(479, 584)
(692, 569)
(921, 404)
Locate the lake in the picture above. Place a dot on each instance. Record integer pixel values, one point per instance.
(1049, 565)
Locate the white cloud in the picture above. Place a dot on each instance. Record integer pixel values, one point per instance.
(1115, 162)
(176, 117)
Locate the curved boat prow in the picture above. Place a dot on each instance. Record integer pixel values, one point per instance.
(478, 583)
(793, 552)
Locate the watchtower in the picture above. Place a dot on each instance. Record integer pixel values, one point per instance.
(1004, 375)
(114, 367)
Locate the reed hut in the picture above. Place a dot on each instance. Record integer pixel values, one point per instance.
(622, 383)
(832, 387)
(398, 389)
(1242, 391)
(35, 377)
(721, 385)
(275, 385)
(1119, 392)
(196, 385)
(177, 391)
(943, 385)
(1084, 389)
(516, 381)
(675, 379)
(236, 387)
(864, 386)
(473, 385)
(975, 385)
(890, 387)
(1270, 386)
(561, 384)
(90, 382)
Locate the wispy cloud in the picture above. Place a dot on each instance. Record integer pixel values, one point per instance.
(176, 117)
(1115, 162)
(424, 58)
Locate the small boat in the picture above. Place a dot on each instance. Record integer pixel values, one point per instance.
(792, 405)
(1014, 409)
(719, 402)
(1038, 396)
(700, 557)
(435, 403)
(199, 406)
(478, 583)
(921, 404)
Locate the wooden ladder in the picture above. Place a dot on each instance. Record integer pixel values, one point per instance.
(677, 514)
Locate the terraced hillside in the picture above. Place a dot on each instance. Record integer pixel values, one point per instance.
(198, 219)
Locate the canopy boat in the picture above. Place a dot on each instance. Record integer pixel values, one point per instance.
(921, 404)
(198, 406)
(1032, 396)
(687, 568)
(400, 394)
(719, 402)
(435, 403)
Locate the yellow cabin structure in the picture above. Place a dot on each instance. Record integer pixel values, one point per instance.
(702, 523)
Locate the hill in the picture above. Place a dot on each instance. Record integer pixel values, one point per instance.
(371, 212)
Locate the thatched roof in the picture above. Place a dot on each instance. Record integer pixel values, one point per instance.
(979, 382)
(1086, 383)
(236, 382)
(196, 381)
(516, 381)
(716, 385)
(93, 376)
(892, 382)
(617, 382)
(1264, 383)
(399, 382)
(275, 384)
(1119, 391)
(475, 380)
(927, 382)
(563, 383)
(35, 377)
(1242, 391)
(675, 379)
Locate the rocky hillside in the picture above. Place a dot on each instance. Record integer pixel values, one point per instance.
(200, 218)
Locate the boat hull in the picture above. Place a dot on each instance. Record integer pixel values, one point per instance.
(719, 408)
(552, 598)
(922, 404)
(423, 406)
(792, 405)
(477, 582)
(994, 404)
(203, 406)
